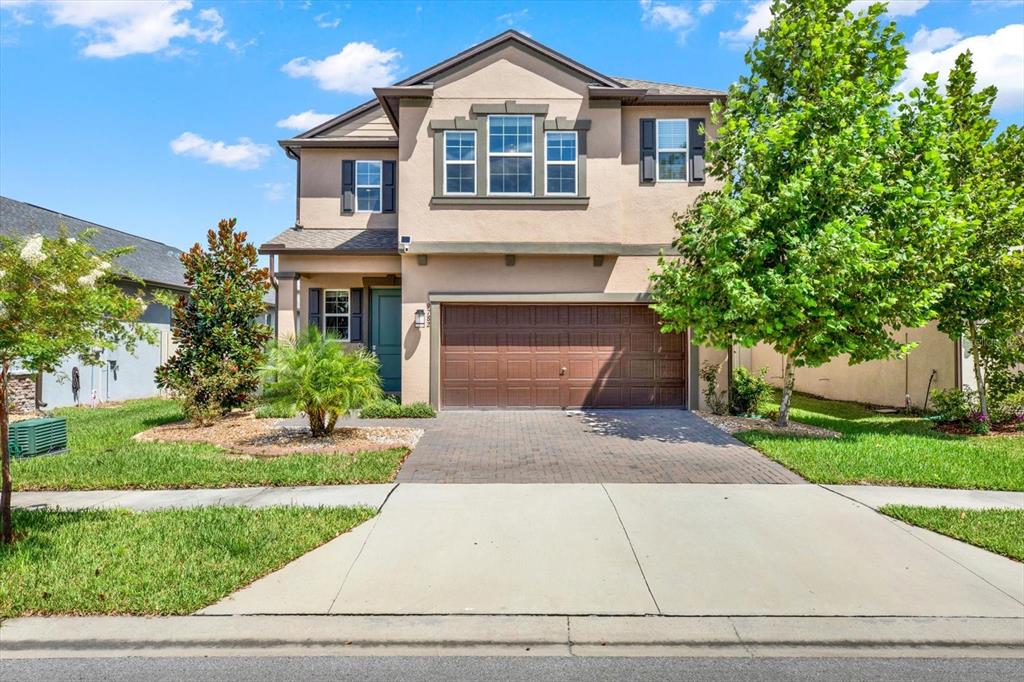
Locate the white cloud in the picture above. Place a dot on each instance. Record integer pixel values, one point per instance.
(357, 69)
(274, 191)
(323, 22)
(998, 61)
(895, 8)
(119, 29)
(675, 18)
(513, 18)
(925, 40)
(707, 7)
(304, 121)
(16, 10)
(759, 16)
(246, 155)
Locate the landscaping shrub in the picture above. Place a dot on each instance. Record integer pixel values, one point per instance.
(1009, 410)
(954, 405)
(749, 393)
(391, 409)
(315, 374)
(274, 411)
(717, 403)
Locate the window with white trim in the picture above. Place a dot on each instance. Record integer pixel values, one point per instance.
(337, 313)
(560, 162)
(671, 135)
(368, 178)
(459, 162)
(510, 154)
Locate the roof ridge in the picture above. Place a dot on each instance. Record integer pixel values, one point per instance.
(89, 222)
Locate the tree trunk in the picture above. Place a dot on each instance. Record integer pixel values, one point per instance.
(979, 371)
(316, 423)
(788, 381)
(332, 420)
(6, 528)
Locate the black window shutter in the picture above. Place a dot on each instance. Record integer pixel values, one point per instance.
(313, 317)
(647, 151)
(697, 149)
(348, 186)
(387, 187)
(355, 308)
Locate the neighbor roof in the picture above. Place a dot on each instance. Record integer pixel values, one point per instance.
(334, 240)
(150, 261)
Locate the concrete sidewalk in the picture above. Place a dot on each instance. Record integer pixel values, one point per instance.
(371, 495)
(681, 550)
(876, 496)
(196, 636)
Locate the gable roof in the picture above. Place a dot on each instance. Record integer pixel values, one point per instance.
(629, 90)
(150, 261)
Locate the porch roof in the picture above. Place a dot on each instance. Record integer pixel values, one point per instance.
(314, 241)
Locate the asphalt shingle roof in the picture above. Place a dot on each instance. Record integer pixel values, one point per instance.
(656, 88)
(150, 261)
(336, 240)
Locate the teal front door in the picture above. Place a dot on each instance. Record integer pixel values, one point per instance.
(386, 335)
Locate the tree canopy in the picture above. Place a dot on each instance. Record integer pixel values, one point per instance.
(829, 228)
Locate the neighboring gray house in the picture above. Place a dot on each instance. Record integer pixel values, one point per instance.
(120, 375)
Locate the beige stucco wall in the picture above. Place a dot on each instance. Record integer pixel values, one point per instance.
(879, 382)
(619, 210)
(320, 189)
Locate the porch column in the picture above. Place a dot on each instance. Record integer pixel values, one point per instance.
(287, 304)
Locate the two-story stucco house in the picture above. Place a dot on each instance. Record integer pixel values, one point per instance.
(487, 227)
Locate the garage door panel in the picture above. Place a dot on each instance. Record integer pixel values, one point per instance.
(512, 356)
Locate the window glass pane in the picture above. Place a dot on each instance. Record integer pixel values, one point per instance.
(671, 166)
(461, 178)
(672, 134)
(367, 172)
(459, 146)
(368, 198)
(337, 326)
(511, 175)
(335, 302)
(561, 179)
(561, 146)
(510, 134)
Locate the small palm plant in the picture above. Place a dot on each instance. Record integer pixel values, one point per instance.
(315, 374)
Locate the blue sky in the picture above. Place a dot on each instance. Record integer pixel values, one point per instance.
(159, 118)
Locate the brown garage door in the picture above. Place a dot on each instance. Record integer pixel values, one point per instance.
(526, 356)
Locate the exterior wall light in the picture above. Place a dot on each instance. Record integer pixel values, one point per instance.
(421, 318)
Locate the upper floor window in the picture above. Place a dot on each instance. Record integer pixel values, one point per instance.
(336, 313)
(510, 154)
(560, 162)
(368, 185)
(671, 136)
(459, 162)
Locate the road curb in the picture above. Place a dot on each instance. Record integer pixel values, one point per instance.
(556, 635)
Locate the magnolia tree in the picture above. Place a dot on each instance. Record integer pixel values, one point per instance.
(985, 302)
(57, 298)
(828, 232)
(216, 325)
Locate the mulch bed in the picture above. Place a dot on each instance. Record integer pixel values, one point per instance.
(734, 424)
(998, 430)
(242, 433)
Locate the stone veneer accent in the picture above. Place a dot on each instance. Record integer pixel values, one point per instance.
(21, 396)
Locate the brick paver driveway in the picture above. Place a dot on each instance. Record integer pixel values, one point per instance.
(590, 446)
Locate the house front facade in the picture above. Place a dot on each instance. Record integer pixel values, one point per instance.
(488, 227)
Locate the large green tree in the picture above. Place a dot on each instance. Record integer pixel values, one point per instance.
(985, 302)
(216, 325)
(828, 232)
(58, 297)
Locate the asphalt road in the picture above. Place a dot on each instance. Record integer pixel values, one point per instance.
(512, 669)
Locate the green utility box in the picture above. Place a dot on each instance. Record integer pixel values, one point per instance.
(38, 436)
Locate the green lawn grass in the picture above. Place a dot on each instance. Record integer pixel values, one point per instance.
(890, 450)
(158, 562)
(997, 530)
(102, 455)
